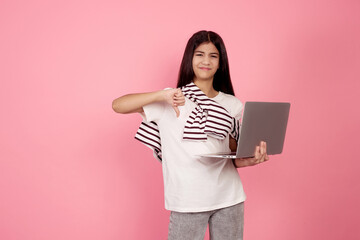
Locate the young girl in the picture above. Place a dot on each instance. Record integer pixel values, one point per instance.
(199, 117)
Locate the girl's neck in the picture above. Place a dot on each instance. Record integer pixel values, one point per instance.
(206, 87)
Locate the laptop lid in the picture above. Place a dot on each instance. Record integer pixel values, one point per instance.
(263, 121)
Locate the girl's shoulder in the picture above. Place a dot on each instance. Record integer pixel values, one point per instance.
(231, 103)
(228, 98)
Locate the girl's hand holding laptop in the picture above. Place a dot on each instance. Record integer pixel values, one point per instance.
(260, 156)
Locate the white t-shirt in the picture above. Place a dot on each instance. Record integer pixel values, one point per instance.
(192, 183)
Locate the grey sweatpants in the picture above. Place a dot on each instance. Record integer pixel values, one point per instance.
(224, 224)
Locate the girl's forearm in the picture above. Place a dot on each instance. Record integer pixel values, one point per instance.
(134, 102)
(240, 163)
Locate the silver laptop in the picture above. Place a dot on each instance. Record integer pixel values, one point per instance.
(262, 121)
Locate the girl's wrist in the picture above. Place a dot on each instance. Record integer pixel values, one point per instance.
(160, 96)
(240, 162)
(164, 95)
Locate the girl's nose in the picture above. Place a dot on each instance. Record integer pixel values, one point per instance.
(206, 60)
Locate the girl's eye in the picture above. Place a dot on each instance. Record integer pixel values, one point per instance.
(214, 56)
(198, 54)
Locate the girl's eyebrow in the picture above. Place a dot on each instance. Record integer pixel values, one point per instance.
(204, 52)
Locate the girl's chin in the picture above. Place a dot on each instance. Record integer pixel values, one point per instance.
(203, 78)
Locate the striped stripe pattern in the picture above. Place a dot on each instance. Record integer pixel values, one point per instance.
(207, 119)
(149, 134)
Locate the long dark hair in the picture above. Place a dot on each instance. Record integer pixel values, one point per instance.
(222, 81)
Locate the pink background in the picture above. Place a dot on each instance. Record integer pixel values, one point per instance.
(67, 168)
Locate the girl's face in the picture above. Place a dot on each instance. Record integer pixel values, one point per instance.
(205, 61)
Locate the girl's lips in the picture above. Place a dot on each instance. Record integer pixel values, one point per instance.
(205, 68)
